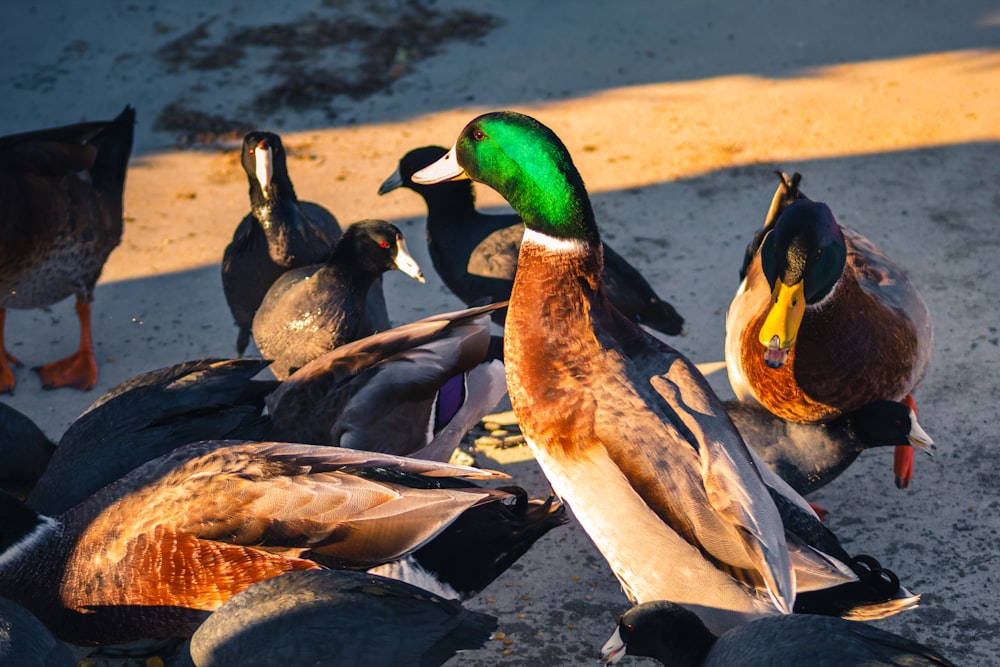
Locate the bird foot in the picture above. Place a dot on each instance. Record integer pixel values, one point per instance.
(820, 511)
(7, 360)
(79, 371)
(902, 460)
(902, 465)
(871, 572)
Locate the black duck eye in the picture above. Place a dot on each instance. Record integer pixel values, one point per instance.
(478, 135)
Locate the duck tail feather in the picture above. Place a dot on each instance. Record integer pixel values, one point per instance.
(114, 147)
(873, 612)
(876, 594)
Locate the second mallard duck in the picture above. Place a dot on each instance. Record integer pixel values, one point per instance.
(823, 322)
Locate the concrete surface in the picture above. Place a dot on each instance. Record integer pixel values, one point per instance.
(676, 115)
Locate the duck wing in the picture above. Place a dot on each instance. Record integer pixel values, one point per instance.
(398, 407)
(828, 579)
(343, 507)
(683, 455)
(882, 278)
(380, 392)
(752, 538)
(632, 294)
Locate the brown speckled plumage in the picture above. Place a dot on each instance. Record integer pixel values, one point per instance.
(60, 217)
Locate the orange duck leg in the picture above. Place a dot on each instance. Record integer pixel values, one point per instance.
(78, 370)
(902, 460)
(6, 360)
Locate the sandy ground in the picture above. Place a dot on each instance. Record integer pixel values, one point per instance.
(676, 115)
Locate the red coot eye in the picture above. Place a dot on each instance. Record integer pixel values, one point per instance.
(383, 244)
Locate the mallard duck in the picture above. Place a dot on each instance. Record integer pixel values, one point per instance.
(677, 638)
(153, 553)
(147, 416)
(627, 431)
(24, 452)
(336, 617)
(313, 309)
(823, 321)
(61, 217)
(25, 642)
(279, 233)
(809, 456)
(476, 254)
(413, 390)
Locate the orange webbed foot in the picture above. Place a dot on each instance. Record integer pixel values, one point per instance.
(7, 360)
(7, 381)
(820, 511)
(902, 465)
(79, 371)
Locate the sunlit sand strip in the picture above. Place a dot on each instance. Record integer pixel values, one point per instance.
(183, 207)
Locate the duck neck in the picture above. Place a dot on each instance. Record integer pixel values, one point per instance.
(555, 204)
(570, 267)
(556, 298)
(561, 260)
